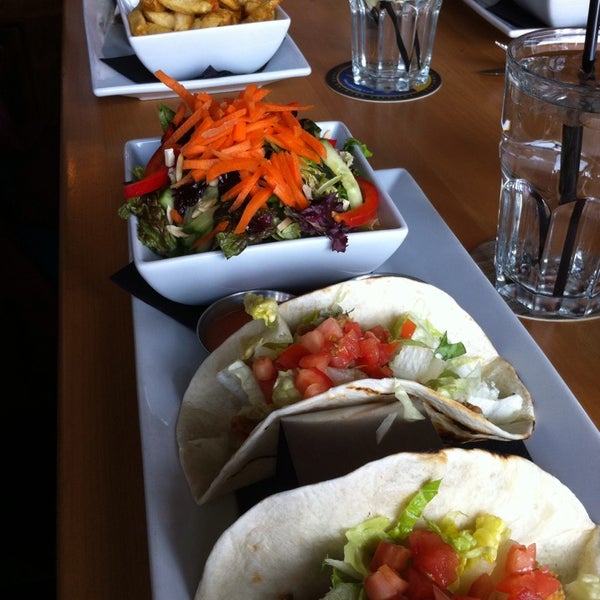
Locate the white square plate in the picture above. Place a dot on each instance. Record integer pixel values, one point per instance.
(100, 25)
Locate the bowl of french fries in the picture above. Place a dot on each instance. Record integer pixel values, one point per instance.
(191, 39)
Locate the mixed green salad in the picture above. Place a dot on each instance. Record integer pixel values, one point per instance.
(245, 171)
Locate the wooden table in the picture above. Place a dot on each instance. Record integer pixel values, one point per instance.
(447, 141)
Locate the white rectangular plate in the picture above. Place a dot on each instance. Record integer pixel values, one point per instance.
(181, 533)
(287, 62)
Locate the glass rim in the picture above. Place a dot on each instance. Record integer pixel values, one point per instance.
(550, 38)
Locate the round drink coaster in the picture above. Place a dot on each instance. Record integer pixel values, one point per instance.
(340, 80)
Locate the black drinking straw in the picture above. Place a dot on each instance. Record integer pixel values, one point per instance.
(571, 151)
(401, 47)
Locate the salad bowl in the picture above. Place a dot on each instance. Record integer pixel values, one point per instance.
(239, 49)
(291, 265)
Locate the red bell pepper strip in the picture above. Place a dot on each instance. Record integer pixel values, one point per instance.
(366, 211)
(408, 329)
(148, 184)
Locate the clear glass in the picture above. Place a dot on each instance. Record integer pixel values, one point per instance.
(548, 237)
(392, 43)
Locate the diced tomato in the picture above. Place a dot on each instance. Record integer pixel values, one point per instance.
(266, 387)
(377, 372)
(539, 581)
(314, 389)
(264, 369)
(433, 556)
(310, 382)
(482, 587)
(341, 355)
(420, 586)
(386, 351)
(331, 329)
(313, 341)
(369, 350)
(350, 341)
(290, 357)
(395, 556)
(525, 594)
(385, 584)
(320, 361)
(380, 332)
(520, 558)
(265, 374)
(353, 327)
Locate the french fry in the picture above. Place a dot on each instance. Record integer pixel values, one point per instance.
(137, 22)
(231, 4)
(164, 18)
(152, 6)
(216, 18)
(260, 10)
(182, 22)
(154, 28)
(189, 7)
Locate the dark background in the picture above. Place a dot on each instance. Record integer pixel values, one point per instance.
(30, 72)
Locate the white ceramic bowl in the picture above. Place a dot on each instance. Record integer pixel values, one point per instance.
(558, 13)
(290, 265)
(184, 55)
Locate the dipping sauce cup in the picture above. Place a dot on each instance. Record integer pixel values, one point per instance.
(226, 315)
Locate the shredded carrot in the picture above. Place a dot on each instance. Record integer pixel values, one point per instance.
(239, 131)
(230, 135)
(176, 217)
(243, 189)
(232, 164)
(187, 178)
(179, 115)
(183, 129)
(179, 89)
(259, 199)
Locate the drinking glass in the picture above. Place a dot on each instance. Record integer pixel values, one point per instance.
(547, 255)
(392, 43)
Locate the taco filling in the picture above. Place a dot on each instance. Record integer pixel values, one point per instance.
(329, 348)
(382, 339)
(444, 559)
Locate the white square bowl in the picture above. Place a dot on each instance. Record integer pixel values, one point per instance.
(290, 265)
(240, 49)
(558, 13)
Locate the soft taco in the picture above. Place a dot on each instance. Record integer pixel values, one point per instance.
(401, 341)
(478, 505)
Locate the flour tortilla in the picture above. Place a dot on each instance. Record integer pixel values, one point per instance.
(211, 460)
(276, 549)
